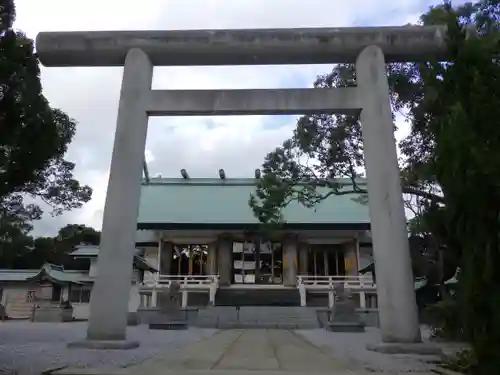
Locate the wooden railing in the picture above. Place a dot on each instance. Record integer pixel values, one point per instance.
(361, 285)
(159, 283)
(185, 281)
(360, 282)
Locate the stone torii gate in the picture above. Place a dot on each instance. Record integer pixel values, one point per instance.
(140, 51)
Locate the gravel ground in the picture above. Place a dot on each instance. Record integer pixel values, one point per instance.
(30, 348)
(351, 347)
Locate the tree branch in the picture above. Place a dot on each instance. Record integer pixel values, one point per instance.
(357, 190)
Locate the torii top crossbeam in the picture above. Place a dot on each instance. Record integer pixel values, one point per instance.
(240, 47)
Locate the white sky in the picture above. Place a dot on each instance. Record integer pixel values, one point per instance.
(201, 145)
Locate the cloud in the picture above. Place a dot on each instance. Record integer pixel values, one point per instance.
(201, 145)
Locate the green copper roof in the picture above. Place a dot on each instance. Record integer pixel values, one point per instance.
(8, 275)
(57, 274)
(420, 282)
(454, 279)
(218, 201)
(368, 268)
(54, 273)
(51, 272)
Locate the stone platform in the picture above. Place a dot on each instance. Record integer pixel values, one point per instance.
(345, 327)
(169, 325)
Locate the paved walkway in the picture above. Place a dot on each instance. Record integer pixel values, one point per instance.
(257, 351)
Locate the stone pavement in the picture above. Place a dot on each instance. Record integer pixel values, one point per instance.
(247, 352)
(257, 350)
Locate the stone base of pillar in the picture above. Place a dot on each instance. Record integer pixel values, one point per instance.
(104, 344)
(421, 348)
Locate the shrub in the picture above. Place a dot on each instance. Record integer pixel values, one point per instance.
(464, 362)
(444, 319)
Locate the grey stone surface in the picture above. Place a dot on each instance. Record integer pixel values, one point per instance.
(239, 47)
(111, 291)
(226, 317)
(170, 325)
(352, 348)
(132, 318)
(169, 311)
(101, 345)
(198, 299)
(170, 308)
(211, 372)
(3, 314)
(241, 296)
(247, 350)
(344, 317)
(346, 327)
(253, 101)
(31, 348)
(90, 371)
(344, 312)
(344, 309)
(323, 315)
(205, 372)
(154, 315)
(52, 314)
(368, 316)
(146, 315)
(396, 296)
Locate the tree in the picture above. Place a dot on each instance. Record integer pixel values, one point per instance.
(33, 136)
(67, 238)
(466, 159)
(324, 148)
(25, 252)
(449, 170)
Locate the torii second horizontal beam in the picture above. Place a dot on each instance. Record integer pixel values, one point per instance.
(253, 102)
(240, 47)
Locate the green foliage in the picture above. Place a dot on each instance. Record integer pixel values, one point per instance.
(34, 138)
(334, 143)
(466, 159)
(464, 362)
(24, 251)
(33, 135)
(444, 320)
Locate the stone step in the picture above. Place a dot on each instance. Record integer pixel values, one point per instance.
(258, 317)
(257, 297)
(19, 310)
(346, 327)
(173, 326)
